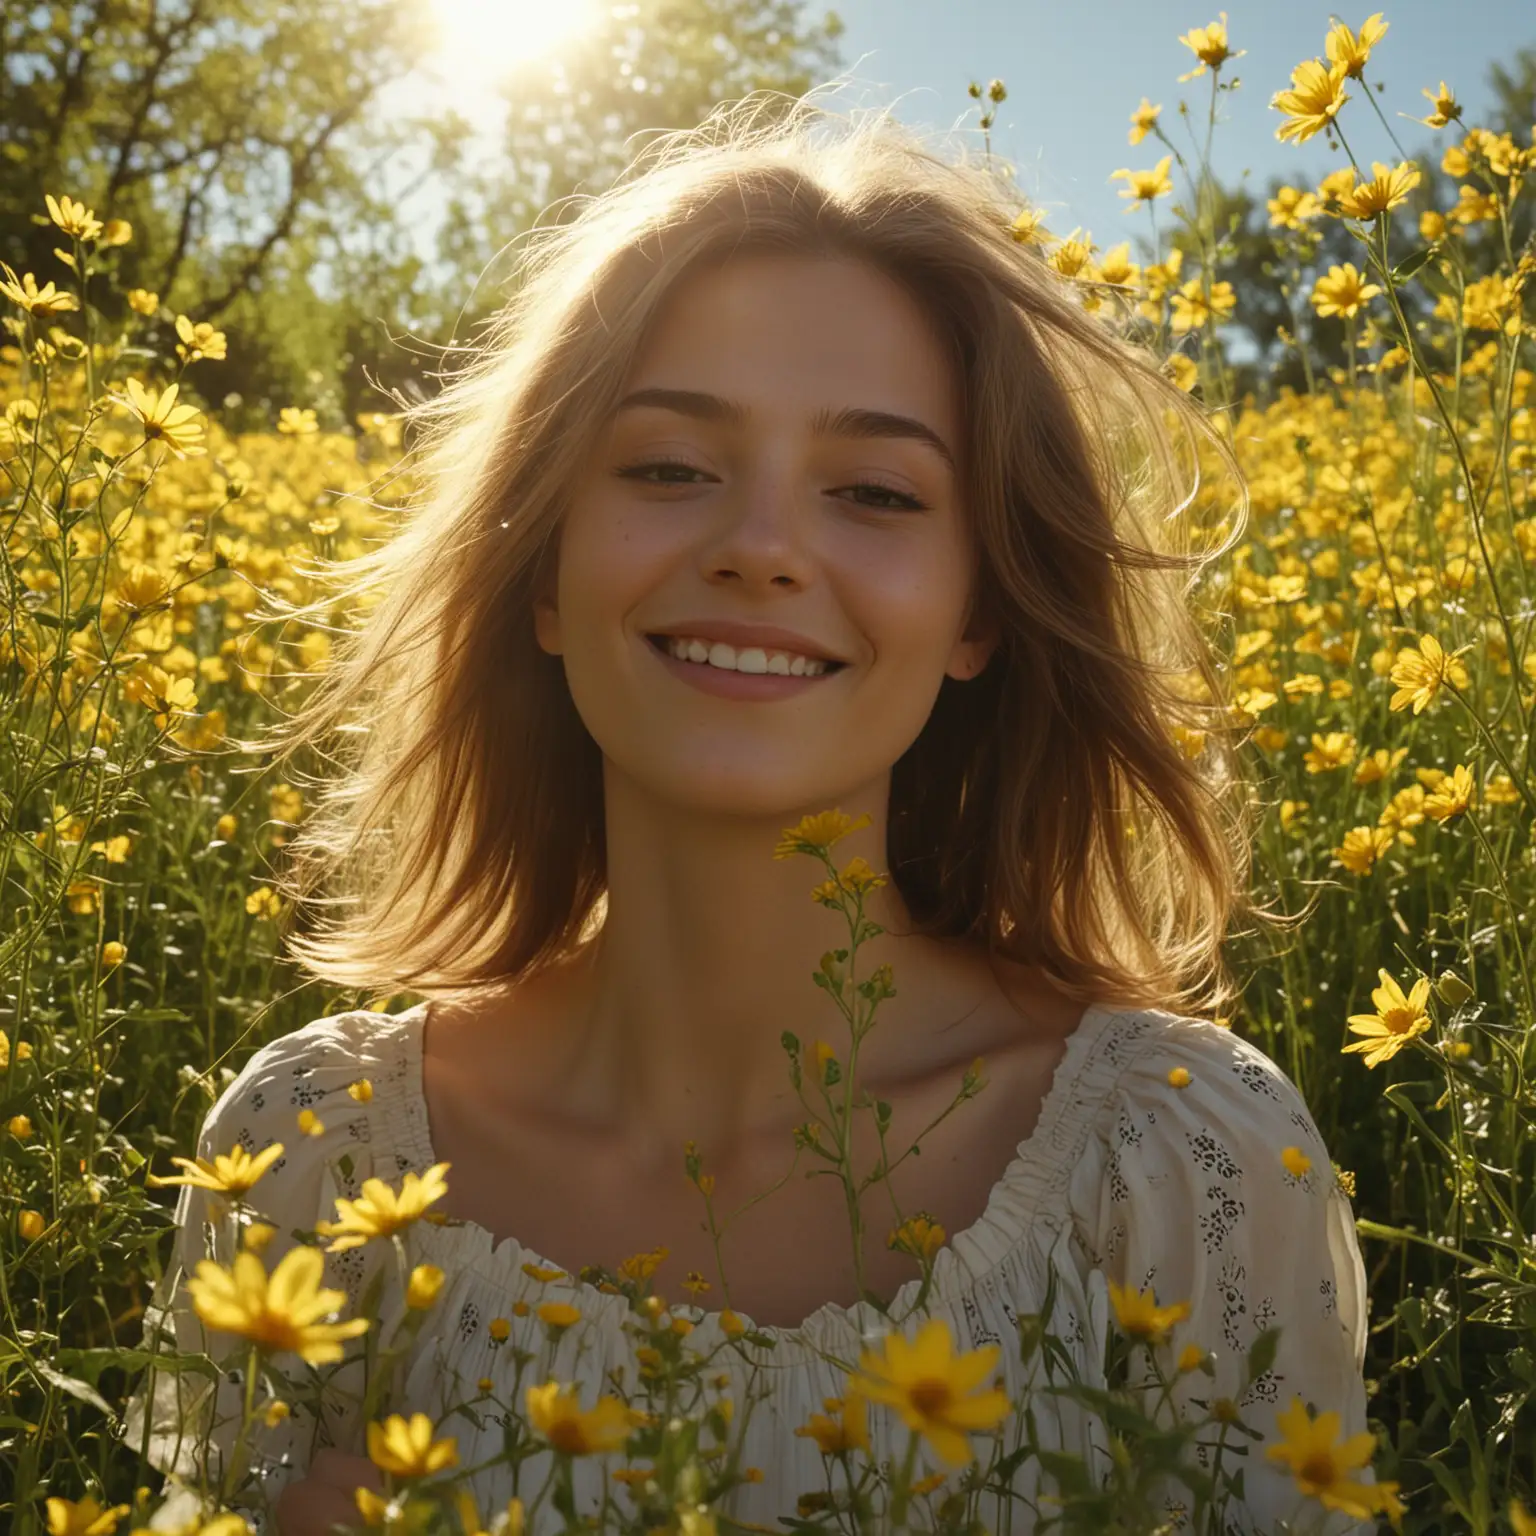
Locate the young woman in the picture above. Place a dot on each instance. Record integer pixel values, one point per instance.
(788, 480)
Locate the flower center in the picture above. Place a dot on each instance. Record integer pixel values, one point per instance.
(930, 1398)
(1319, 1471)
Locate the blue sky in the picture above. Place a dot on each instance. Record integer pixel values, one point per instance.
(1074, 75)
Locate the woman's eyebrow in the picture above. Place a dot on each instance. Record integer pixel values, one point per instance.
(851, 421)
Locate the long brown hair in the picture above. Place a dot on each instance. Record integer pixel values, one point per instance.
(1054, 808)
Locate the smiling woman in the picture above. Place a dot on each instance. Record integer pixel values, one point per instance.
(789, 479)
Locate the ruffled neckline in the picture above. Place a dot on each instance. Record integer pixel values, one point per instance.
(1038, 1170)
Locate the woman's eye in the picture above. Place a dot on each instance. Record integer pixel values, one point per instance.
(676, 473)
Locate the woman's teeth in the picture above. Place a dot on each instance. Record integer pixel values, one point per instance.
(716, 653)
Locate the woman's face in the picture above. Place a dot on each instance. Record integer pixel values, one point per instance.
(748, 503)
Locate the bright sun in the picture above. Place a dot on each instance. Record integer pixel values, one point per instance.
(481, 41)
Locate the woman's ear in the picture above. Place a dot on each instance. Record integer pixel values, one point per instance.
(972, 653)
(546, 624)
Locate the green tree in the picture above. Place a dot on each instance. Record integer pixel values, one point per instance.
(277, 188)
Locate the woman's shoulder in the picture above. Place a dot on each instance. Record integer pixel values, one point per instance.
(1156, 1049)
(343, 1069)
(357, 1038)
(1197, 1108)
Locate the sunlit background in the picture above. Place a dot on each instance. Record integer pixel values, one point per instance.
(1071, 89)
(482, 43)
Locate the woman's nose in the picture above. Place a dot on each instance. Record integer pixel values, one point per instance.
(763, 528)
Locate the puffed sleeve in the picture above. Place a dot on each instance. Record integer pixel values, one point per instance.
(187, 1421)
(1187, 1187)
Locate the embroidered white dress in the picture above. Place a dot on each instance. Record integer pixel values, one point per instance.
(1126, 1176)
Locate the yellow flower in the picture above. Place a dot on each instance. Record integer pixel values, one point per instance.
(1029, 229)
(142, 302)
(275, 1413)
(371, 1506)
(1071, 256)
(825, 1057)
(1184, 371)
(310, 1123)
(543, 1272)
(263, 902)
(87, 1518)
(1354, 52)
(641, 1266)
(361, 1090)
(731, 1325)
(1193, 308)
(1179, 1077)
(1398, 1018)
(1321, 1468)
(73, 218)
(1296, 1161)
(1190, 1357)
(1446, 110)
(555, 1412)
(1291, 207)
(817, 832)
(559, 1314)
(1342, 292)
(280, 1313)
(1316, 94)
(30, 1225)
(933, 1390)
(381, 1212)
(24, 292)
(1143, 120)
(1454, 795)
(1117, 266)
(860, 876)
(1491, 303)
(297, 421)
(422, 1289)
(230, 1173)
(1139, 1315)
(20, 1126)
(1335, 750)
(179, 427)
(257, 1236)
(160, 693)
(1144, 186)
(406, 1447)
(199, 340)
(1420, 674)
(1209, 45)
(1362, 847)
(920, 1235)
(1386, 189)
(117, 232)
(848, 1430)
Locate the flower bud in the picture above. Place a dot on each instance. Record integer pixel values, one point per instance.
(422, 1288)
(1452, 990)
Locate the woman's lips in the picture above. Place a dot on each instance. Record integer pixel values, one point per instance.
(747, 686)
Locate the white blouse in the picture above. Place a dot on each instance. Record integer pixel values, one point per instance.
(1125, 1176)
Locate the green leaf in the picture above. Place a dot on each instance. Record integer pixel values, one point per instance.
(1411, 264)
(74, 1387)
(1261, 1353)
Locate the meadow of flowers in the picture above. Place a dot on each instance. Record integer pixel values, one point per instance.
(1377, 624)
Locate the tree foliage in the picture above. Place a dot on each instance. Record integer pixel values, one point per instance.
(275, 181)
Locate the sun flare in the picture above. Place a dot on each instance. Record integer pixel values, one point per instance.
(480, 42)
